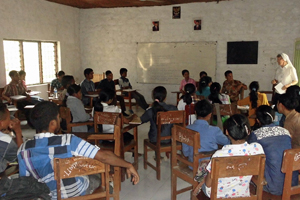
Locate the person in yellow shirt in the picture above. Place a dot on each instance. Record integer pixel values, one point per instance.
(254, 100)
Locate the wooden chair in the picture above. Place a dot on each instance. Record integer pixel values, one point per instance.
(129, 97)
(119, 147)
(189, 110)
(169, 117)
(238, 166)
(65, 114)
(221, 110)
(272, 94)
(81, 166)
(49, 90)
(180, 166)
(291, 162)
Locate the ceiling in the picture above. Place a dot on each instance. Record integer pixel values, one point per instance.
(123, 3)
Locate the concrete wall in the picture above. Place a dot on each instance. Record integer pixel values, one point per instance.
(42, 20)
(108, 37)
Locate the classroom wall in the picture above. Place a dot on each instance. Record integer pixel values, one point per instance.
(108, 37)
(42, 20)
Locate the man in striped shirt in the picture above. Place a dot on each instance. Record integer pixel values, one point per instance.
(36, 156)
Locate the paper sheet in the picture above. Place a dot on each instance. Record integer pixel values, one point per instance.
(278, 88)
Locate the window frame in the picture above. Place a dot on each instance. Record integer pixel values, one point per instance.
(21, 49)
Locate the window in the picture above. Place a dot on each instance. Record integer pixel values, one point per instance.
(38, 59)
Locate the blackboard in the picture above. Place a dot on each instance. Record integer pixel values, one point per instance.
(163, 62)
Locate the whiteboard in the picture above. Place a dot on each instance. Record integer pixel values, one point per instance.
(163, 62)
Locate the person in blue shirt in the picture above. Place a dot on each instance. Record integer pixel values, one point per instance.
(36, 156)
(204, 86)
(274, 140)
(210, 136)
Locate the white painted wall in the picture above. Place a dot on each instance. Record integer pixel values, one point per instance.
(108, 37)
(42, 20)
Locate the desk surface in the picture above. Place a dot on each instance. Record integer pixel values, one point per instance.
(18, 97)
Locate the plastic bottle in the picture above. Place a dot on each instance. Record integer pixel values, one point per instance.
(55, 93)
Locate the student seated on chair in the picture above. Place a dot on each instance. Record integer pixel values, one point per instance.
(159, 95)
(216, 97)
(210, 136)
(77, 108)
(232, 87)
(36, 156)
(34, 99)
(110, 84)
(186, 80)
(202, 74)
(106, 96)
(9, 147)
(125, 84)
(56, 83)
(286, 105)
(87, 85)
(274, 140)
(238, 129)
(187, 99)
(15, 87)
(254, 100)
(66, 81)
(204, 86)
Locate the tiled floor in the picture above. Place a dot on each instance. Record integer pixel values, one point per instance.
(149, 188)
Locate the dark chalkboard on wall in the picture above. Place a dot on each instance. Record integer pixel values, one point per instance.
(242, 52)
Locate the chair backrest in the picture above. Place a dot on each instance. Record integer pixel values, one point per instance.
(291, 162)
(98, 77)
(238, 166)
(223, 109)
(168, 117)
(65, 115)
(189, 137)
(189, 110)
(80, 166)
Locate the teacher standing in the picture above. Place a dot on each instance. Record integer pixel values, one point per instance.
(285, 74)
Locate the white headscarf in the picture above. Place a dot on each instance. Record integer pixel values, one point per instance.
(286, 58)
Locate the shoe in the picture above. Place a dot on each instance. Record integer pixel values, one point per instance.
(125, 114)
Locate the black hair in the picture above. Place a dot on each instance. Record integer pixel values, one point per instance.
(289, 101)
(159, 94)
(254, 86)
(279, 56)
(189, 90)
(203, 83)
(12, 73)
(67, 80)
(123, 70)
(104, 96)
(87, 71)
(108, 72)
(73, 89)
(203, 108)
(265, 114)
(214, 93)
(42, 114)
(184, 71)
(21, 72)
(61, 73)
(227, 73)
(294, 91)
(238, 127)
(202, 73)
(3, 110)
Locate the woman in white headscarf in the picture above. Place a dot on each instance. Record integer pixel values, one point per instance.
(286, 74)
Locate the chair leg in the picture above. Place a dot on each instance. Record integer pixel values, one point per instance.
(173, 186)
(145, 155)
(130, 107)
(157, 165)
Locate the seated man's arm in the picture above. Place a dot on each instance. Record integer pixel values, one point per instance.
(110, 158)
(16, 127)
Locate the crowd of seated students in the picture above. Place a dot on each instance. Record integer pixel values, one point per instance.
(265, 137)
